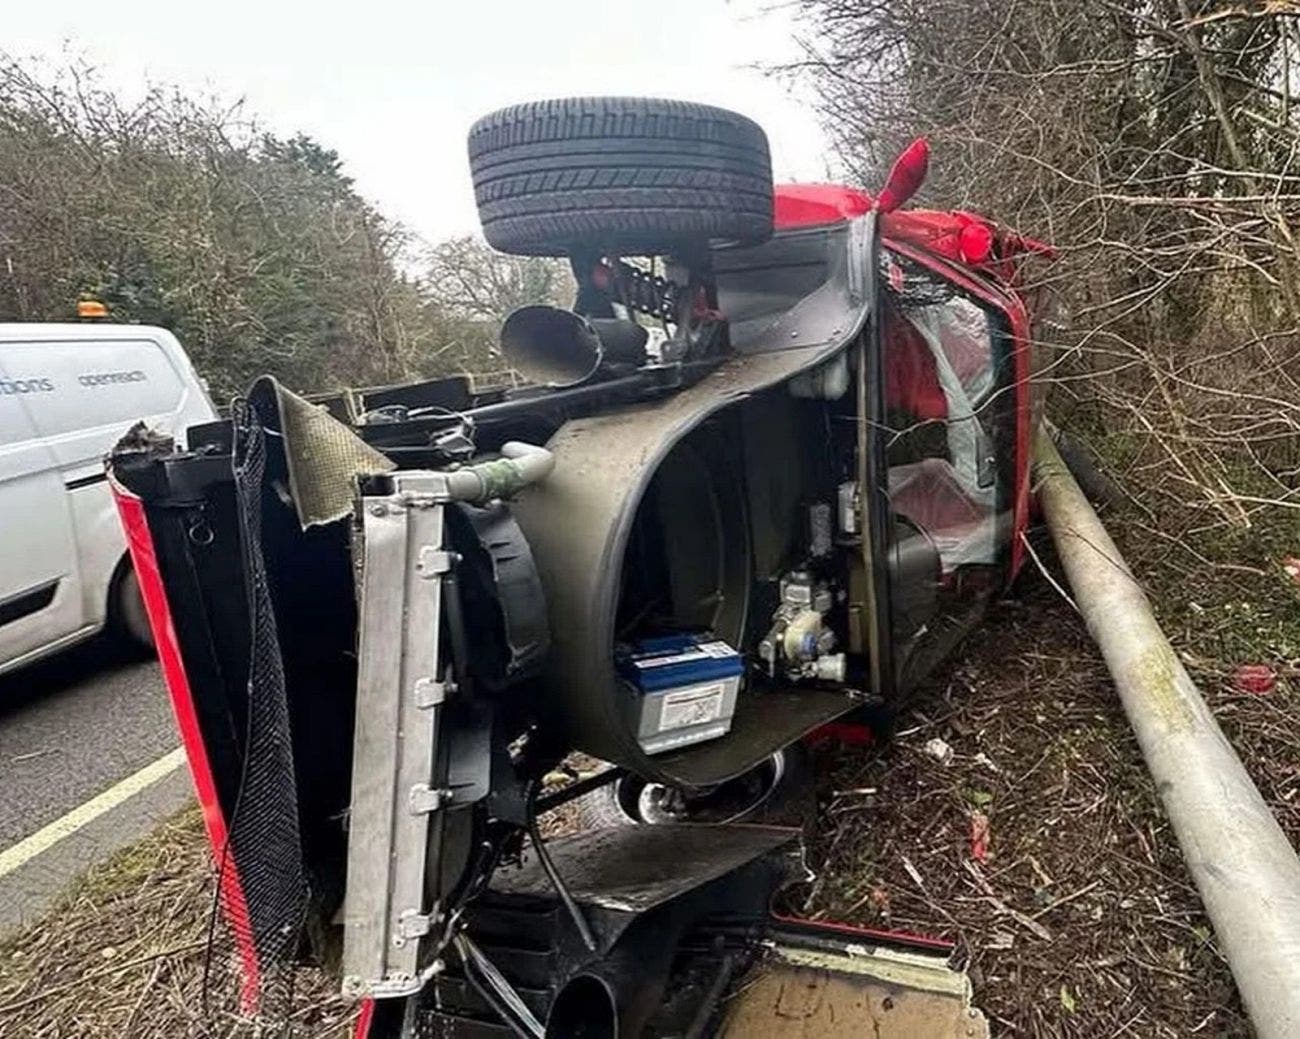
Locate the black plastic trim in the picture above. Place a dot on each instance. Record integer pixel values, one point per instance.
(24, 604)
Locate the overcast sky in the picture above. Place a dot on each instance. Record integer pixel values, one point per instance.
(394, 86)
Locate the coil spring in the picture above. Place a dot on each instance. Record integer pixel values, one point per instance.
(647, 293)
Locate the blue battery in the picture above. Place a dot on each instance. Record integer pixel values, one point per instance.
(685, 689)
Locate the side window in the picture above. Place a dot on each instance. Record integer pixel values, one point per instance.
(950, 429)
(93, 385)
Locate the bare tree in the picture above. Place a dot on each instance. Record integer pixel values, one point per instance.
(1157, 144)
(256, 251)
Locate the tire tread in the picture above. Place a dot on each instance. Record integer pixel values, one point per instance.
(632, 175)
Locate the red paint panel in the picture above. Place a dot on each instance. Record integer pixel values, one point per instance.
(808, 205)
(145, 560)
(923, 941)
(364, 1020)
(851, 734)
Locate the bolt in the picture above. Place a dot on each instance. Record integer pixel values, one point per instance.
(379, 510)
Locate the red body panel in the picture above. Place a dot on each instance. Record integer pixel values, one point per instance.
(144, 558)
(364, 1019)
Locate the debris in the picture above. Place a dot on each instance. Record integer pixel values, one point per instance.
(913, 872)
(1024, 921)
(979, 836)
(1068, 1001)
(979, 798)
(33, 754)
(1046, 714)
(939, 750)
(1067, 898)
(1255, 679)
(1291, 567)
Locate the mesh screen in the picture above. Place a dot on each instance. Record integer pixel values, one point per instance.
(262, 884)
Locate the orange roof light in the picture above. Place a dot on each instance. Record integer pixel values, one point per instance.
(91, 308)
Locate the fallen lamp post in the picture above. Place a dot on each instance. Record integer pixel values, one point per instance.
(1244, 867)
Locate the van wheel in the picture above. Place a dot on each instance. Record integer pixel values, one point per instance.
(126, 615)
(777, 792)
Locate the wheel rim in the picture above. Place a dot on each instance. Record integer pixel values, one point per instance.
(656, 804)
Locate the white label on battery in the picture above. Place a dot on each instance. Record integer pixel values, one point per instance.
(693, 706)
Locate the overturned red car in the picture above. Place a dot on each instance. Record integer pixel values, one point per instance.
(753, 486)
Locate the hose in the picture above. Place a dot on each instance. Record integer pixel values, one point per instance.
(519, 466)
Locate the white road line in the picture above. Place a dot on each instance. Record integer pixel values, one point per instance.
(66, 825)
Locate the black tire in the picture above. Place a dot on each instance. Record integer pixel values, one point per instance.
(127, 619)
(788, 800)
(620, 176)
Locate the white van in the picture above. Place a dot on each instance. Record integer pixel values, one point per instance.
(67, 394)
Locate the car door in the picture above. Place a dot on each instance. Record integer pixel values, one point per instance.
(40, 582)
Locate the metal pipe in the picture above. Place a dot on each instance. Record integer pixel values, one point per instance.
(1244, 867)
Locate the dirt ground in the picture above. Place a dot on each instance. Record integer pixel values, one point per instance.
(1076, 915)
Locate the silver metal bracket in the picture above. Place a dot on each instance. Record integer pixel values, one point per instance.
(412, 924)
(399, 709)
(433, 562)
(431, 693)
(424, 800)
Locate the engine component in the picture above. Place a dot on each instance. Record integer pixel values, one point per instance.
(519, 466)
(799, 643)
(820, 530)
(686, 688)
(398, 798)
(828, 381)
(504, 624)
(849, 508)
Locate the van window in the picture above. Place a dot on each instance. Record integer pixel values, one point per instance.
(90, 384)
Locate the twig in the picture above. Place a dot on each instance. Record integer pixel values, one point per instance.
(54, 990)
(1043, 570)
(1057, 903)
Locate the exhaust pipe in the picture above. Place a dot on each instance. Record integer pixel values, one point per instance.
(558, 348)
(1244, 867)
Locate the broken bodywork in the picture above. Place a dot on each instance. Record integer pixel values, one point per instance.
(388, 620)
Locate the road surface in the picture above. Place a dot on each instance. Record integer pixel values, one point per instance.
(76, 731)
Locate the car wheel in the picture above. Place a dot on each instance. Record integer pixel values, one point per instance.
(779, 792)
(127, 616)
(619, 176)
